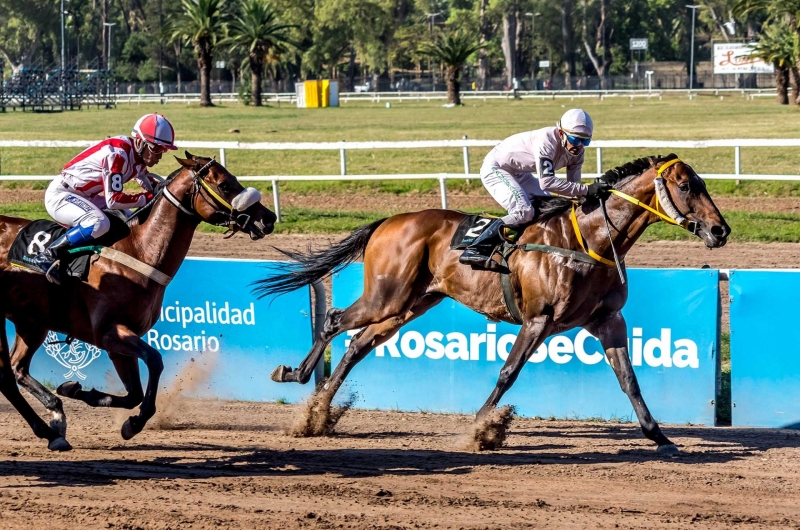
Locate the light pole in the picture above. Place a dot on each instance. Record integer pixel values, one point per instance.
(432, 16)
(691, 51)
(108, 60)
(63, 56)
(533, 47)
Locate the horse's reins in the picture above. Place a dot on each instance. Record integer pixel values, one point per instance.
(679, 219)
(232, 221)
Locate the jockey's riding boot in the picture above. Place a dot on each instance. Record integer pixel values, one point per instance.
(48, 260)
(479, 253)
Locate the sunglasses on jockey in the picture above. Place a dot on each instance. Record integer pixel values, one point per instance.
(157, 149)
(577, 141)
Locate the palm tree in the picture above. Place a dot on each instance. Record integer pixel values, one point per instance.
(778, 45)
(452, 48)
(259, 31)
(777, 11)
(203, 24)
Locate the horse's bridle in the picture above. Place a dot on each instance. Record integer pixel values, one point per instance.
(672, 216)
(233, 219)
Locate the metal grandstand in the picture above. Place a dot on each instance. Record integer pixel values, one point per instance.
(45, 88)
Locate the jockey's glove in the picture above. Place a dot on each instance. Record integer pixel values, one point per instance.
(598, 189)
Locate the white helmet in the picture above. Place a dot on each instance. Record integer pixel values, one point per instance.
(576, 122)
(153, 129)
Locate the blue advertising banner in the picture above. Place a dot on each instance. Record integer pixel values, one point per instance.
(765, 357)
(448, 360)
(213, 333)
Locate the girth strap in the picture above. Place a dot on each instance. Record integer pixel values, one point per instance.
(132, 263)
(505, 283)
(505, 278)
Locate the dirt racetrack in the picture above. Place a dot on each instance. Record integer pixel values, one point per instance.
(229, 465)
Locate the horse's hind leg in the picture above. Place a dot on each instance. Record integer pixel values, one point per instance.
(128, 371)
(319, 419)
(29, 338)
(302, 374)
(9, 388)
(391, 285)
(613, 335)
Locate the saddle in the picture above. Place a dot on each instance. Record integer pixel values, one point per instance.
(473, 226)
(37, 236)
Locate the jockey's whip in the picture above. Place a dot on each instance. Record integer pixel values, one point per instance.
(611, 241)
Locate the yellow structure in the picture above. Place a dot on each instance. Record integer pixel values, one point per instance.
(312, 92)
(315, 94)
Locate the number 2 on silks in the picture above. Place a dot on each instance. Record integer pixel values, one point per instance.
(547, 166)
(116, 182)
(476, 230)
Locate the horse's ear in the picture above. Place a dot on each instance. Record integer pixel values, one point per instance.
(189, 155)
(188, 164)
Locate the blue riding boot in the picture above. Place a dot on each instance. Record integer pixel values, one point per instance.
(48, 261)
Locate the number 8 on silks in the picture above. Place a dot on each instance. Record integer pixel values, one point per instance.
(95, 179)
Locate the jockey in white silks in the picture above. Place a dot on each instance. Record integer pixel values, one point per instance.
(95, 179)
(523, 166)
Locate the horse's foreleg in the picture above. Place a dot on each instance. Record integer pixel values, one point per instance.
(302, 374)
(123, 341)
(9, 388)
(530, 337)
(28, 340)
(613, 335)
(128, 370)
(489, 430)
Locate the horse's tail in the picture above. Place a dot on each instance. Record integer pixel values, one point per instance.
(314, 265)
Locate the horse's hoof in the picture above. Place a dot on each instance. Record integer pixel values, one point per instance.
(279, 373)
(69, 389)
(668, 450)
(128, 430)
(59, 444)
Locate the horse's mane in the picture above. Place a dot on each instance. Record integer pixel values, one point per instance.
(141, 215)
(549, 207)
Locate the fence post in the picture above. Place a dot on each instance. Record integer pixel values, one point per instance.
(737, 162)
(443, 191)
(466, 158)
(276, 201)
(343, 160)
(222, 156)
(600, 160)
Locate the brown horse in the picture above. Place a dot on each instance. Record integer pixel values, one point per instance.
(409, 268)
(116, 305)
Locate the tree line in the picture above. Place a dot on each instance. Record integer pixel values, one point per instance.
(278, 40)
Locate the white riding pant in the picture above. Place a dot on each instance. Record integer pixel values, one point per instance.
(512, 192)
(70, 209)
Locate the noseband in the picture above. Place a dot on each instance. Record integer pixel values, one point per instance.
(233, 218)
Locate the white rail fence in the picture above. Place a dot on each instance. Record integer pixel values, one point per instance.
(464, 144)
(377, 97)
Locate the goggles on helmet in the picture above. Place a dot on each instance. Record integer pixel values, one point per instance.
(157, 149)
(578, 141)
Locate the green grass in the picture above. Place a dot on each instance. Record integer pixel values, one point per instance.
(745, 226)
(670, 119)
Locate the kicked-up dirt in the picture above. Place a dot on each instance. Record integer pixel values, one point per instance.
(230, 465)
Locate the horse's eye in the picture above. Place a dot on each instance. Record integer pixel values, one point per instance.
(224, 188)
(684, 186)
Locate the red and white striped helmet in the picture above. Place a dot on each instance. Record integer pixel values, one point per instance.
(154, 129)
